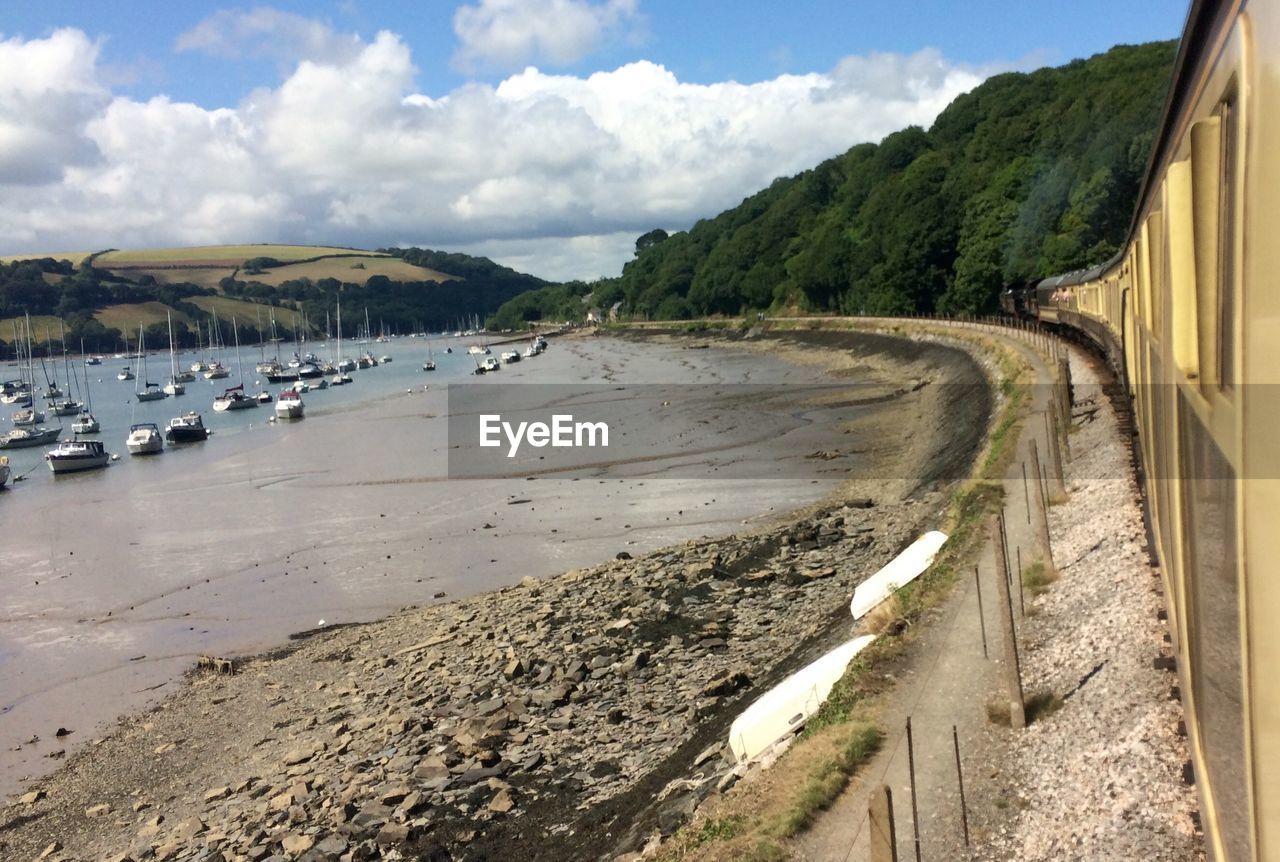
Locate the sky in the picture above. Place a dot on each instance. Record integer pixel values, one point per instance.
(544, 134)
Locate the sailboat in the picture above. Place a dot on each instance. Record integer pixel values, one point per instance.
(174, 386)
(234, 398)
(344, 364)
(430, 364)
(65, 406)
(85, 423)
(144, 389)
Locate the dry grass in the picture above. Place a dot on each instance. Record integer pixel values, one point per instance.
(40, 324)
(1040, 705)
(74, 256)
(778, 803)
(204, 277)
(246, 312)
(888, 617)
(233, 255)
(127, 317)
(1036, 577)
(356, 270)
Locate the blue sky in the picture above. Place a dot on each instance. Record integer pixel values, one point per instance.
(544, 133)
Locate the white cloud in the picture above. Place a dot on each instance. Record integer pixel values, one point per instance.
(507, 34)
(266, 32)
(48, 92)
(554, 174)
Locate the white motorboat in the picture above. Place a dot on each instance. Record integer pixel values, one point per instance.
(125, 374)
(264, 397)
(478, 350)
(144, 439)
(187, 428)
(72, 456)
(491, 364)
(289, 405)
(510, 357)
(93, 360)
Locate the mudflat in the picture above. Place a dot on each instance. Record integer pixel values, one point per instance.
(551, 716)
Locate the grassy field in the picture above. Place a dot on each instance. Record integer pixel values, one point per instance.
(74, 256)
(203, 276)
(349, 269)
(246, 312)
(231, 255)
(126, 318)
(40, 324)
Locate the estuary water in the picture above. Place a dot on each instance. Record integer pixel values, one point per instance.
(113, 581)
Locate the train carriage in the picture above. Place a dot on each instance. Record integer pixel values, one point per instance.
(1188, 316)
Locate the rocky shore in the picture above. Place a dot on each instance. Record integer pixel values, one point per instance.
(567, 718)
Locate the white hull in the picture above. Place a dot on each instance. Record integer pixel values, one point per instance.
(289, 410)
(175, 389)
(900, 571)
(75, 464)
(785, 708)
(72, 456)
(222, 405)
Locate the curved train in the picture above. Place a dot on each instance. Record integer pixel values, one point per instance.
(1188, 314)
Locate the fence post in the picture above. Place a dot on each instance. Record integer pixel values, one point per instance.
(1012, 671)
(1042, 521)
(884, 839)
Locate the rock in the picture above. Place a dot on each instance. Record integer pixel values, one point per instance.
(724, 683)
(392, 833)
(394, 794)
(622, 555)
(32, 797)
(297, 844)
(217, 793)
(98, 810)
(515, 668)
(637, 660)
(189, 828)
(48, 851)
(502, 802)
(301, 755)
(707, 753)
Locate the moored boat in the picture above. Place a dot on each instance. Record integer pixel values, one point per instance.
(21, 438)
(144, 439)
(85, 424)
(27, 417)
(233, 399)
(289, 405)
(72, 456)
(124, 374)
(4, 470)
(187, 428)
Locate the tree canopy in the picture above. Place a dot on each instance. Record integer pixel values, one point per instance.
(1025, 176)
